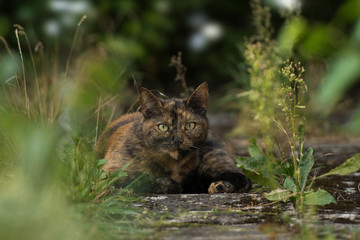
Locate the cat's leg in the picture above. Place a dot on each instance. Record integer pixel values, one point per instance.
(218, 172)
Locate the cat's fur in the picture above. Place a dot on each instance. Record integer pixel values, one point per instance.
(186, 158)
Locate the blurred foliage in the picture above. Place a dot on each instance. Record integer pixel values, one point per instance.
(51, 115)
(30, 199)
(51, 187)
(335, 43)
(148, 33)
(329, 47)
(263, 61)
(61, 83)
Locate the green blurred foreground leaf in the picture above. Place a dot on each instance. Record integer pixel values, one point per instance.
(320, 197)
(343, 73)
(349, 166)
(290, 34)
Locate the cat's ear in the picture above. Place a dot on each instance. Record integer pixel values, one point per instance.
(199, 99)
(150, 104)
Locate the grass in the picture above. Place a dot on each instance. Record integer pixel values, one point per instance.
(51, 184)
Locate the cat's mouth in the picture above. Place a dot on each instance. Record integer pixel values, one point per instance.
(175, 151)
(172, 147)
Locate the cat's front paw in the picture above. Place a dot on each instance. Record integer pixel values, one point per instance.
(221, 187)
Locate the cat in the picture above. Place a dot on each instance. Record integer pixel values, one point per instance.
(169, 144)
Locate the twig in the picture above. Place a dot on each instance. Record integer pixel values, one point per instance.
(255, 206)
(180, 71)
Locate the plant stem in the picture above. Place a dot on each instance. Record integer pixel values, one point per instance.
(296, 159)
(293, 147)
(27, 100)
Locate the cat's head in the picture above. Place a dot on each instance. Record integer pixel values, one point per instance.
(175, 125)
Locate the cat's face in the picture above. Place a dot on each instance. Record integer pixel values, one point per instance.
(175, 125)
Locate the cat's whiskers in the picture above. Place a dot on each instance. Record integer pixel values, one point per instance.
(195, 147)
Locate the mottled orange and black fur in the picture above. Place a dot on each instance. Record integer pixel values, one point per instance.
(169, 142)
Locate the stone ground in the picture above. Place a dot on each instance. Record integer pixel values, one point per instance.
(250, 216)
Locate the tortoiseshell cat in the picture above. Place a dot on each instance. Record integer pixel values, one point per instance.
(169, 142)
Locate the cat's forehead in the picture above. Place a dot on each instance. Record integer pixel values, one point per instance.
(174, 106)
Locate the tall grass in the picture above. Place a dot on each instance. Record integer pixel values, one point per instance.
(51, 184)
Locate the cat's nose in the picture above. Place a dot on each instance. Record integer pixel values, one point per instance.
(177, 139)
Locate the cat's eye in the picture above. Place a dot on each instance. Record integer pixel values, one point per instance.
(190, 126)
(163, 127)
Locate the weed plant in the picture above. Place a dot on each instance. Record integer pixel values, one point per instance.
(263, 62)
(51, 184)
(277, 94)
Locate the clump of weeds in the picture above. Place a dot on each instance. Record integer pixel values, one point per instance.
(277, 95)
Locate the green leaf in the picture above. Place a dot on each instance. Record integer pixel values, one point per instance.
(289, 184)
(278, 194)
(320, 197)
(349, 166)
(283, 169)
(256, 169)
(254, 148)
(301, 130)
(101, 162)
(257, 178)
(253, 164)
(118, 174)
(103, 175)
(305, 166)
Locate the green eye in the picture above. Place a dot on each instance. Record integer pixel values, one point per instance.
(190, 126)
(163, 127)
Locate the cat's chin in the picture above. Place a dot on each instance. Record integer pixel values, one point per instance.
(174, 154)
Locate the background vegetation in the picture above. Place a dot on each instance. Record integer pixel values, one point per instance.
(64, 76)
(136, 39)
